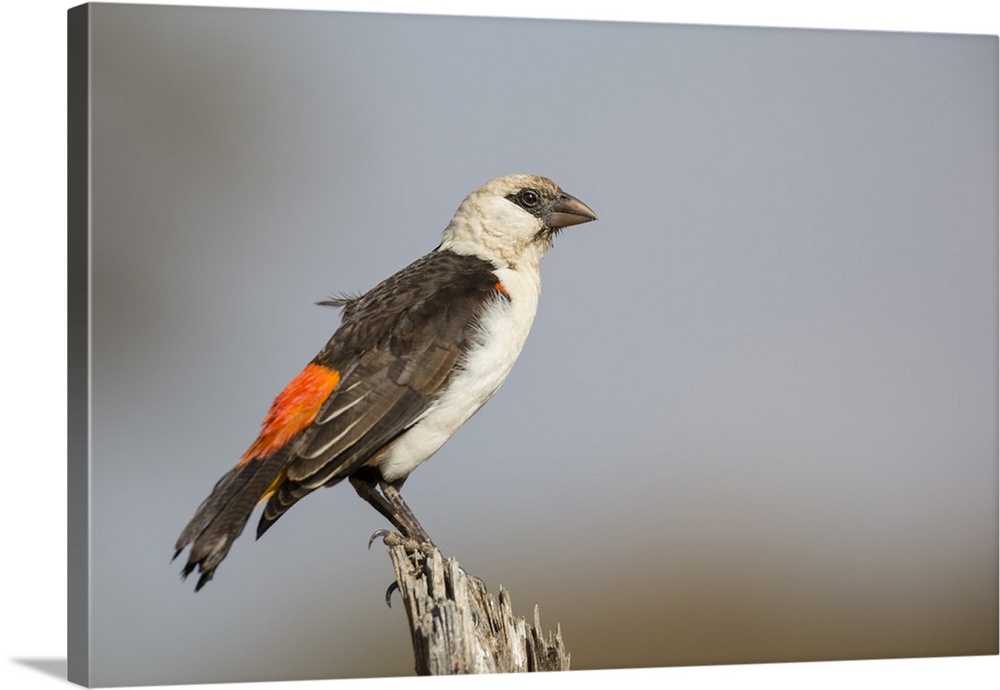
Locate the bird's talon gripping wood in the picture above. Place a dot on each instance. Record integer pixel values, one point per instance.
(379, 533)
(412, 360)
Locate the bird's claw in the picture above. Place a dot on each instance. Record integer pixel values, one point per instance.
(383, 533)
(388, 593)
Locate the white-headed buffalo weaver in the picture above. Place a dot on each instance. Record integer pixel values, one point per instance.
(412, 360)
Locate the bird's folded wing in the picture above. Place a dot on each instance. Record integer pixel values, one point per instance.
(384, 396)
(395, 358)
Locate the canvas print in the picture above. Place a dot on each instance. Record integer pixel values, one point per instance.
(683, 340)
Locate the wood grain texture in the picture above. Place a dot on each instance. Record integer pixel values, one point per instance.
(458, 627)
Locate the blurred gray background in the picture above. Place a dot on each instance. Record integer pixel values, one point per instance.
(756, 419)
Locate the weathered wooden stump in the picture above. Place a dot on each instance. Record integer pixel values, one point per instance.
(457, 626)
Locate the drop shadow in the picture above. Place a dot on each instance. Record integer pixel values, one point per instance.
(51, 667)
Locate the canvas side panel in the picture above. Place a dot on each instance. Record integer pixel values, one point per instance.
(78, 346)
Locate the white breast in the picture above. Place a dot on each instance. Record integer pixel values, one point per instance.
(503, 329)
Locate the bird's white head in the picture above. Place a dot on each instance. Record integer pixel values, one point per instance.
(512, 219)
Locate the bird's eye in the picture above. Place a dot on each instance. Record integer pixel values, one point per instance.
(528, 198)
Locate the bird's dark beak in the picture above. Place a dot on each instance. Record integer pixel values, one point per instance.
(567, 210)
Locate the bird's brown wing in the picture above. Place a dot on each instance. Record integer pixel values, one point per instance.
(398, 345)
(389, 360)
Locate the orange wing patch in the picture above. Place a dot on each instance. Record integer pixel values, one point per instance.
(293, 410)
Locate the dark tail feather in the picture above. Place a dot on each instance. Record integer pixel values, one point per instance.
(287, 495)
(291, 492)
(221, 517)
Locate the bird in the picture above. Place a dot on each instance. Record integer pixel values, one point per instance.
(411, 361)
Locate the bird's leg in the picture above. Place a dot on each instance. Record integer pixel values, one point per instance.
(391, 505)
(368, 490)
(407, 520)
